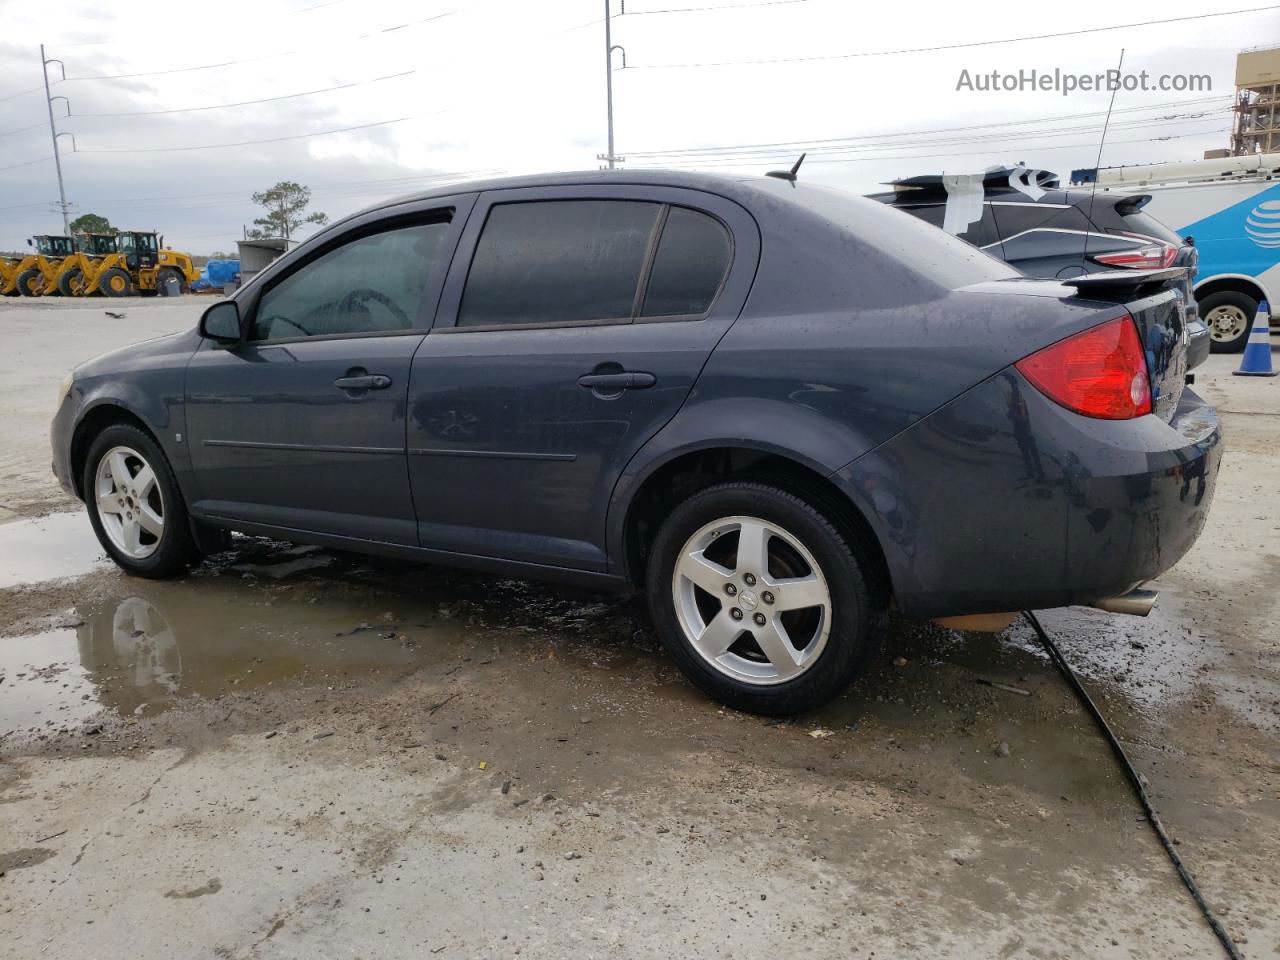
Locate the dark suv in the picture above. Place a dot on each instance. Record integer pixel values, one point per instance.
(775, 408)
(1063, 233)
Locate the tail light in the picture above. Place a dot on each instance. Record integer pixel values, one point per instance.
(1153, 254)
(1100, 372)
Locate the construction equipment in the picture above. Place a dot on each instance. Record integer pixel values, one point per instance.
(97, 267)
(85, 270)
(9, 276)
(37, 273)
(131, 261)
(151, 264)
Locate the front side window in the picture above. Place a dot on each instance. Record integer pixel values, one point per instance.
(373, 284)
(558, 261)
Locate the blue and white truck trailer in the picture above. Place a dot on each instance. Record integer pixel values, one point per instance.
(1230, 209)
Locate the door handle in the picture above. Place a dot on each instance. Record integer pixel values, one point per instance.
(637, 380)
(370, 381)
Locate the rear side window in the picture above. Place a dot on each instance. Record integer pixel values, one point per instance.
(558, 261)
(689, 266)
(1014, 219)
(372, 284)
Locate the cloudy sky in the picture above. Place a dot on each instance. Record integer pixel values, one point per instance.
(423, 90)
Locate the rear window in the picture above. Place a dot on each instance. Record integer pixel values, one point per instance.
(945, 260)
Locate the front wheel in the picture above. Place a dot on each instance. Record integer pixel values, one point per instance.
(762, 602)
(31, 282)
(115, 282)
(134, 504)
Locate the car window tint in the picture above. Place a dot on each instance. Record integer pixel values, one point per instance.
(370, 285)
(557, 261)
(979, 233)
(1013, 219)
(691, 261)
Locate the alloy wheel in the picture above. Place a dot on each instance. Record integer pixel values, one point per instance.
(129, 502)
(752, 600)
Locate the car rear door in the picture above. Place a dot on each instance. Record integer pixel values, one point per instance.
(572, 327)
(302, 425)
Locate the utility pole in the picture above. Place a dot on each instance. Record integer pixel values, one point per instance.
(53, 133)
(609, 47)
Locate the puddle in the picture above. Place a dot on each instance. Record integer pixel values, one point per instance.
(47, 548)
(269, 613)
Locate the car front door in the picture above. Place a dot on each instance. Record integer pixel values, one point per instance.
(302, 425)
(572, 327)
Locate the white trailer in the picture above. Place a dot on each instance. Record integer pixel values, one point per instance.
(1230, 208)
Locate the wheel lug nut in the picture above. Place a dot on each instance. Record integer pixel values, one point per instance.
(749, 579)
(730, 589)
(735, 613)
(767, 597)
(759, 619)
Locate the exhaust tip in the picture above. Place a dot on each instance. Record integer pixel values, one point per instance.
(1136, 603)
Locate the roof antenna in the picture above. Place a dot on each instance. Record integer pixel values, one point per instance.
(788, 175)
(1093, 191)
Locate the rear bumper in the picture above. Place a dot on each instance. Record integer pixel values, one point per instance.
(1003, 500)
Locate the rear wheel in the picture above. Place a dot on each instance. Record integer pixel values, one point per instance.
(1228, 315)
(166, 275)
(115, 282)
(31, 282)
(762, 602)
(135, 505)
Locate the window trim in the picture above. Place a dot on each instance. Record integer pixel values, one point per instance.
(642, 283)
(453, 212)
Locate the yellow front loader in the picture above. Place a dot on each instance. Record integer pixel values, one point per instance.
(9, 276)
(97, 267)
(37, 273)
(151, 264)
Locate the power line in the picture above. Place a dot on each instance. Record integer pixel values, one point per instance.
(250, 60)
(949, 46)
(719, 7)
(247, 143)
(246, 103)
(21, 93)
(810, 143)
(962, 153)
(9, 133)
(27, 163)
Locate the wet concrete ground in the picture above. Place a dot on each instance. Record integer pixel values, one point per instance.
(298, 753)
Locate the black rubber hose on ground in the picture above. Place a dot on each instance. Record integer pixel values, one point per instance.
(1135, 781)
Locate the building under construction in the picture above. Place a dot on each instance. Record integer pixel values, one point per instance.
(1257, 100)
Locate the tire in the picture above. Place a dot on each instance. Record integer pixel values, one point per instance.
(115, 283)
(152, 551)
(1223, 313)
(825, 646)
(163, 276)
(71, 283)
(31, 282)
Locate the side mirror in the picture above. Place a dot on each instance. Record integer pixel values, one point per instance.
(28, 241)
(221, 323)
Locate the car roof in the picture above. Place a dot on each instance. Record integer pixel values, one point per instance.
(736, 186)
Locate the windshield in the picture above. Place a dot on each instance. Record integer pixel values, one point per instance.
(940, 257)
